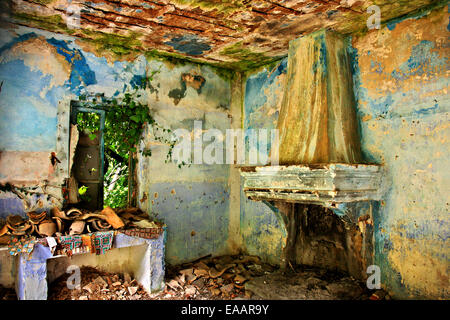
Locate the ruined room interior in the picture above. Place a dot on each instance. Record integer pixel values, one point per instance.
(311, 165)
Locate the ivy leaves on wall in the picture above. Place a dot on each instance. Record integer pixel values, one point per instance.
(126, 119)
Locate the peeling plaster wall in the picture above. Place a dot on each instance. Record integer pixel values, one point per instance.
(262, 233)
(42, 71)
(401, 85)
(401, 82)
(192, 200)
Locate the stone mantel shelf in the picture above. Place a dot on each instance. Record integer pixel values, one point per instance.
(323, 184)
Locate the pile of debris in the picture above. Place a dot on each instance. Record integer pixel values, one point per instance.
(98, 285)
(214, 278)
(206, 279)
(247, 277)
(221, 278)
(312, 283)
(72, 222)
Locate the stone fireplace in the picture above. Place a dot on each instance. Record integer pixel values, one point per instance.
(321, 186)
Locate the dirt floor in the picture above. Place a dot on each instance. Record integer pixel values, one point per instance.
(219, 278)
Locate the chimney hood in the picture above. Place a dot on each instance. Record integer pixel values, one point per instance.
(320, 159)
(323, 191)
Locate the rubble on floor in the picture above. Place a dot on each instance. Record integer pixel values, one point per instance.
(214, 278)
(98, 285)
(246, 277)
(310, 283)
(237, 277)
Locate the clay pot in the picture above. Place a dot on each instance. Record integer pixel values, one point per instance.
(55, 212)
(14, 220)
(36, 218)
(59, 224)
(19, 229)
(73, 213)
(47, 228)
(112, 218)
(77, 227)
(100, 225)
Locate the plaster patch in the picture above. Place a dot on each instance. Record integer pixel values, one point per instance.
(39, 55)
(419, 267)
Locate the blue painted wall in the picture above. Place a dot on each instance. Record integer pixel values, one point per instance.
(261, 231)
(401, 81)
(39, 70)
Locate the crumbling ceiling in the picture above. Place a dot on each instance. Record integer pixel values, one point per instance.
(236, 34)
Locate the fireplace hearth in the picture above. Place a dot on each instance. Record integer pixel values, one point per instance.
(321, 186)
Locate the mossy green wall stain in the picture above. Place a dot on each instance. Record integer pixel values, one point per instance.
(44, 2)
(246, 59)
(236, 25)
(117, 44)
(225, 7)
(51, 23)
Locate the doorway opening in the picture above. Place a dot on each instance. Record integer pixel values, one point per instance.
(99, 173)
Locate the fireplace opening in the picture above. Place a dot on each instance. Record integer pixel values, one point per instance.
(325, 256)
(317, 237)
